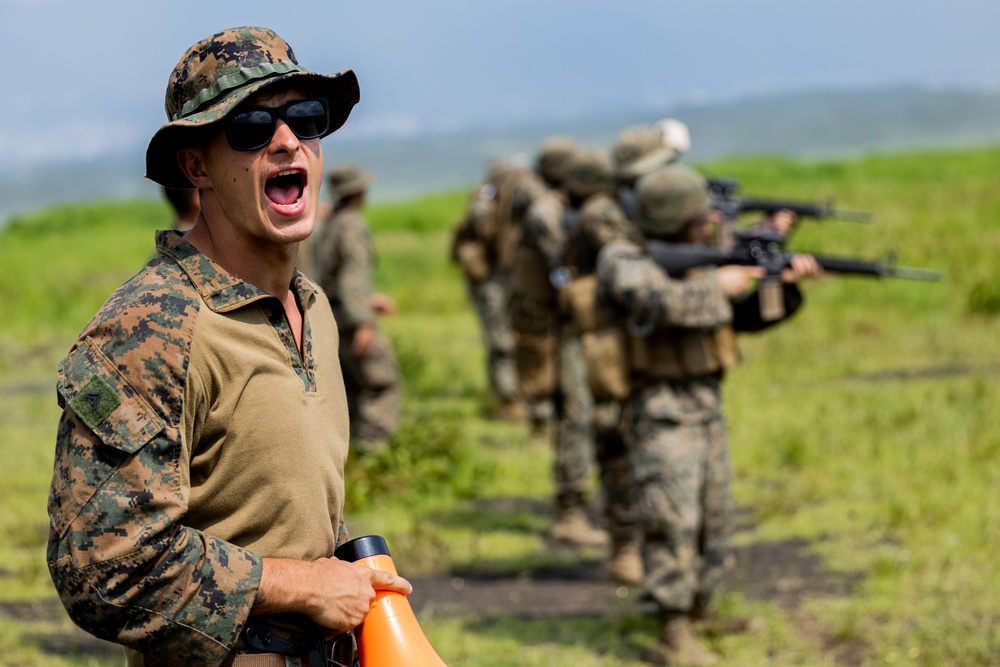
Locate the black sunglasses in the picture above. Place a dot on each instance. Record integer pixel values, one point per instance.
(252, 128)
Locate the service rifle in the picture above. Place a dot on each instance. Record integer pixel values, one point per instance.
(767, 251)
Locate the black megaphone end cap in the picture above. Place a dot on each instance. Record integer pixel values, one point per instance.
(362, 547)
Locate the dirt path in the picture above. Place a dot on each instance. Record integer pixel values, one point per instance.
(785, 573)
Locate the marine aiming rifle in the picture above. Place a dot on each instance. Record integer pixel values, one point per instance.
(725, 196)
(767, 251)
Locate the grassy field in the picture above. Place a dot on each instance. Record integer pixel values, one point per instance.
(865, 435)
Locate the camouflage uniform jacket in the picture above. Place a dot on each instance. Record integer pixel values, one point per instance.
(602, 220)
(633, 286)
(545, 229)
(345, 264)
(195, 440)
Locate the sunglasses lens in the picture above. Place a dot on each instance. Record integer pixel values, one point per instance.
(252, 129)
(308, 119)
(249, 130)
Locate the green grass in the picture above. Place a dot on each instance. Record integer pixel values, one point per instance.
(866, 426)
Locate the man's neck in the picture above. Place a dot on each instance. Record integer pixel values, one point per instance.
(267, 267)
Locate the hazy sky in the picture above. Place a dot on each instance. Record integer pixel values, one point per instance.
(83, 79)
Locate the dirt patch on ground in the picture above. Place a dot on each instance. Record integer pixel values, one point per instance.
(782, 572)
(785, 573)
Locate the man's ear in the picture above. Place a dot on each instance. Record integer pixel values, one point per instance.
(192, 164)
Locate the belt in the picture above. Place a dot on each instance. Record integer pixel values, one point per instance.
(265, 648)
(258, 660)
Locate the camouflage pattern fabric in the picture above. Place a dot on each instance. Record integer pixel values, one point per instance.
(675, 432)
(602, 221)
(545, 233)
(490, 296)
(489, 299)
(632, 285)
(669, 198)
(128, 562)
(554, 158)
(218, 73)
(374, 390)
(680, 460)
(611, 452)
(345, 264)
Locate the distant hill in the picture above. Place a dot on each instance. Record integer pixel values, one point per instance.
(809, 125)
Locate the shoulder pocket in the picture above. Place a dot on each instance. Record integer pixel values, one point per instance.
(104, 400)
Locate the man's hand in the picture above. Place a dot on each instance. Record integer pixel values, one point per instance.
(363, 340)
(735, 279)
(382, 304)
(332, 593)
(783, 222)
(803, 266)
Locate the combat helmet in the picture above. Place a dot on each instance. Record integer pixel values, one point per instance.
(218, 73)
(590, 173)
(348, 179)
(641, 149)
(669, 198)
(554, 159)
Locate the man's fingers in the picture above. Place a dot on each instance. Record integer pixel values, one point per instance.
(386, 581)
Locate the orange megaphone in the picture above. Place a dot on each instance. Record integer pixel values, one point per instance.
(390, 635)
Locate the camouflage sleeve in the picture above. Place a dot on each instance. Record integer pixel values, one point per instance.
(357, 273)
(543, 230)
(629, 282)
(125, 567)
(601, 221)
(325, 257)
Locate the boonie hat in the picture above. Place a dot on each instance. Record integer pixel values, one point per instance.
(348, 179)
(221, 71)
(641, 149)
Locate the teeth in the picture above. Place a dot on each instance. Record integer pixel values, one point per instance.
(287, 172)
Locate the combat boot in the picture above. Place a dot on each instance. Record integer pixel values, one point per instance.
(574, 528)
(679, 646)
(625, 563)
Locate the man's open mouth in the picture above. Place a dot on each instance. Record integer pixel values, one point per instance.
(286, 187)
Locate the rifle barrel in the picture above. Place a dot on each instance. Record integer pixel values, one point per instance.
(801, 208)
(677, 259)
(914, 273)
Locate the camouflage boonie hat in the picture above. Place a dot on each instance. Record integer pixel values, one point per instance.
(348, 179)
(218, 73)
(669, 198)
(554, 158)
(641, 149)
(590, 173)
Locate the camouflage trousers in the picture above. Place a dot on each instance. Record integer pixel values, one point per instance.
(489, 298)
(680, 464)
(574, 429)
(615, 472)
(374, 389)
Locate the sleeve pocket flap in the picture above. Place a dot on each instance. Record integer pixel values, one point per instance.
(104, 400)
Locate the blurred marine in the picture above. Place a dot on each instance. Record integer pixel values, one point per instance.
(345, 268)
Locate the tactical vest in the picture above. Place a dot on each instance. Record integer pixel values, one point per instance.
(616, 354)
(605, 344)
(679, 354)
(474, 236)
(534, 319)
